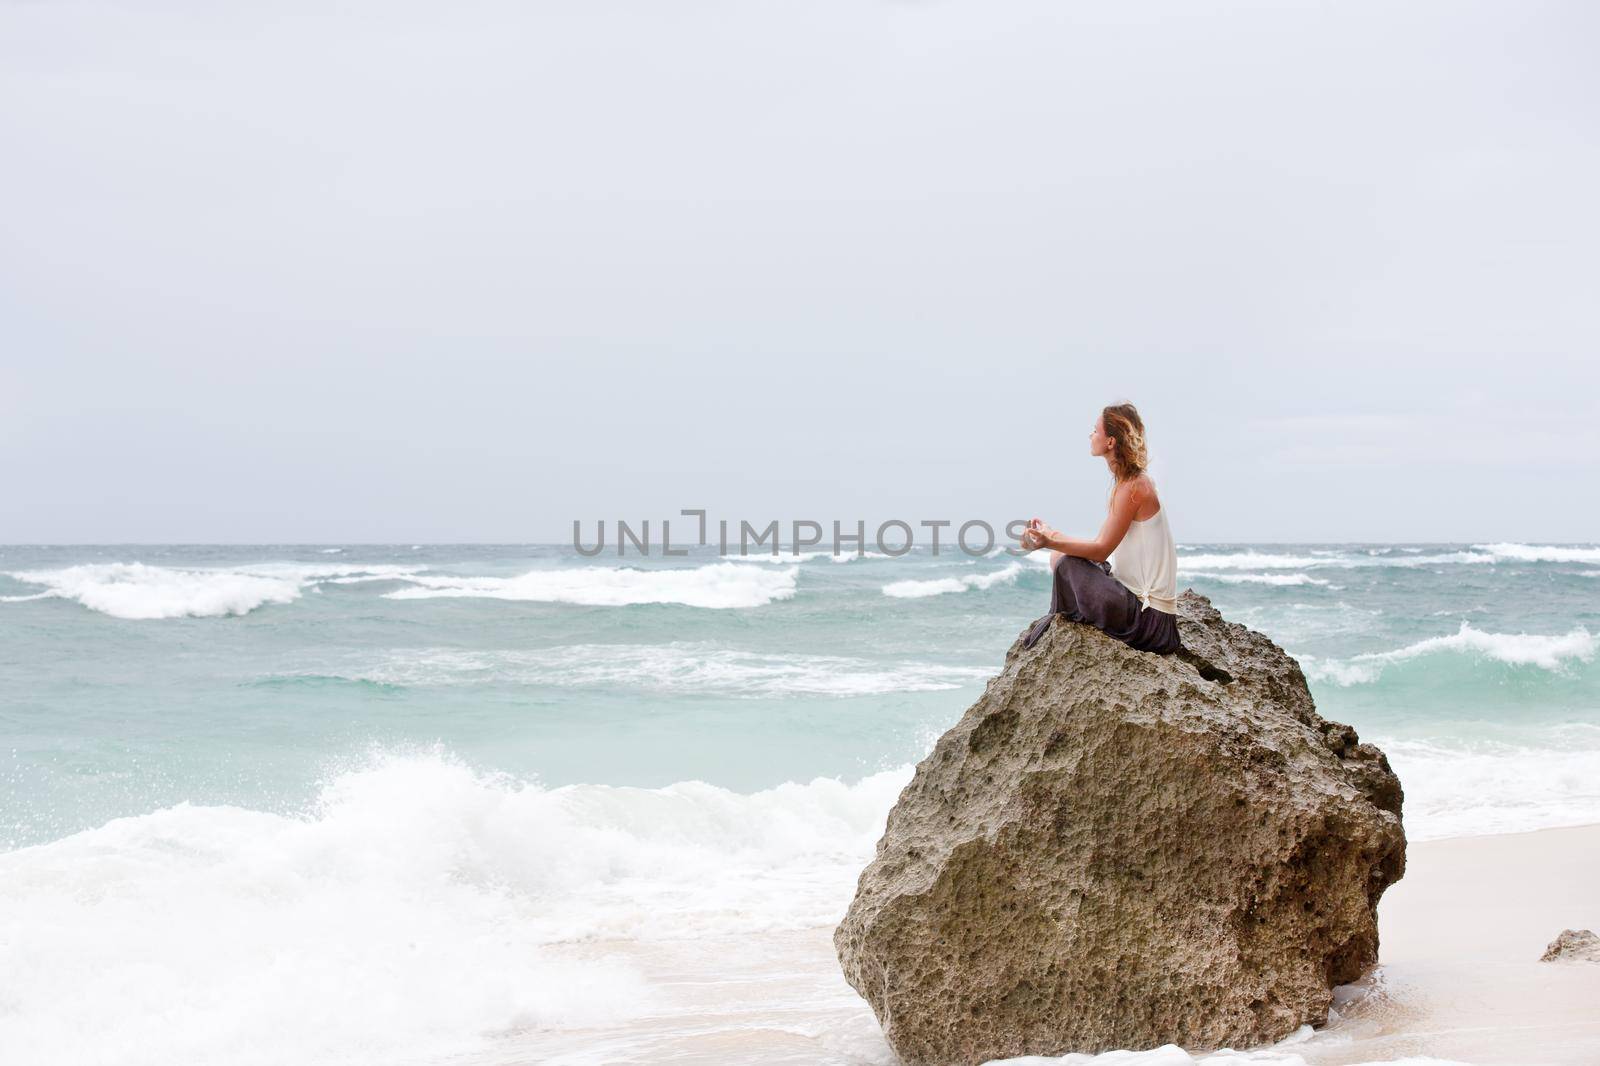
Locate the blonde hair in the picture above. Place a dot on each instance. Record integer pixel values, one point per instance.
(1129, 456)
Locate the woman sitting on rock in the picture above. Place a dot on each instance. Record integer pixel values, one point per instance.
(1135, 598)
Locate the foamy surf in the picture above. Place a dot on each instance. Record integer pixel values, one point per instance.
(419, 910)
(1547, 652)
(1254, 560)
(784, 557)
(140, 592)
(940, 586)
(1400, 556)
(1282, 1053)
(1542, 553)
(698, 669)
(413, 912)
(1257, 579)
(1481, 786)
(718, 585)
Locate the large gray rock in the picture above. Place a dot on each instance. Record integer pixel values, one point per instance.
(1114, 849)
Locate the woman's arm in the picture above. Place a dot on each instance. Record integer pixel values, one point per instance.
(1124, 505)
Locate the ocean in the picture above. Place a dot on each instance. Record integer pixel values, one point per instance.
(474, 804)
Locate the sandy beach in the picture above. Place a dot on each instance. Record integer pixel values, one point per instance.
(1459, 980)
(1460, 976)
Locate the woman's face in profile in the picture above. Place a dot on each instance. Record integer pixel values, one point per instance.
(1097, 437)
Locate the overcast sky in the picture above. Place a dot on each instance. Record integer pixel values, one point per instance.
(469, 271)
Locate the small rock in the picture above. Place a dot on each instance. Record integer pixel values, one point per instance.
(1573, 945)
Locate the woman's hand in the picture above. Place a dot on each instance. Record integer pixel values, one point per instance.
(1037, 534)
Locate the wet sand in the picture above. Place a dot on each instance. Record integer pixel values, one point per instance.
(1459, 980)
(1460, 941)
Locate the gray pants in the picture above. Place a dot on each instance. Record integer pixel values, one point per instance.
(1084, 591)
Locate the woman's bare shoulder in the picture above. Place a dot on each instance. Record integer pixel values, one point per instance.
(1139, 489)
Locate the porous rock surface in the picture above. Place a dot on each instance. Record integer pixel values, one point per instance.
(1116, 849)
(1573, 945)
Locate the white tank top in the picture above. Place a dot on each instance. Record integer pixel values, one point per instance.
(1147, 562)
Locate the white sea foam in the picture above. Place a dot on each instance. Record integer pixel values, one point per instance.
(1473, 787)
(1250, 560)
(140, 592)
(1480, 554)
(718, 585)
(1253, 560)
(806, 557)
(417, 909)
(782, 557)
(312, 573)
(938, 586)
(25, 599)
(1548, 652)
(1282, 1053)
(699, 668)
(407, 917)
(1542, 553)
(1443, 559)
(1339, 671)
(1259, 579)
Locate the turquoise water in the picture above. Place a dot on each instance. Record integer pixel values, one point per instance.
(810, 670)
(244, 786)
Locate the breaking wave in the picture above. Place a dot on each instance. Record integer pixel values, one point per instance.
(718, 585)
(1259, 579)
(912, 590)
(698, 669)
(418, 908)
(1541, 553)
(806, 557)
(1516, 649)
(1252, 561)
(1470, 788)
(1408, 557)
(140, 592)
(408, 915)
